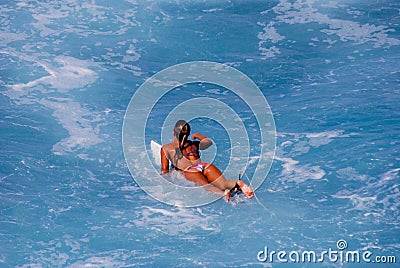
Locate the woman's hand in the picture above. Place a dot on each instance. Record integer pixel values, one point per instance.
(198, 136)
(204, 141)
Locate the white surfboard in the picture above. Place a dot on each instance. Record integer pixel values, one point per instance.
(155, 151)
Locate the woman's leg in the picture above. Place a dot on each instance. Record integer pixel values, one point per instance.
(198, 178)
(215, 176)
(213, 180)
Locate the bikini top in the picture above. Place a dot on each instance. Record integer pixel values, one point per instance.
(194, 151)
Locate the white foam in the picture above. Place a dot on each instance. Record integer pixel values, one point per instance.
(296, 144)
(314, 139)
(217, 91)
(44, 19)
(73, 117)
(377, 197)
(351, 173)
(270, 52)
(212, 10)
(304, 12)
(64, 74)
(175, 221)
(100, 261)
(131, 54)
(73, 73)
(323, 138)
(391, 175)
(293, 171)
(270, 33)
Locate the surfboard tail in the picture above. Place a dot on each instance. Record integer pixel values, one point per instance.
(155, 151)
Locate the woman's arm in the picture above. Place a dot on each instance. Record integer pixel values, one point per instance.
(164, 162)
(204, 141)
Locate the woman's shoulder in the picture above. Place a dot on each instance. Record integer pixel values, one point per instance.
(168, 146)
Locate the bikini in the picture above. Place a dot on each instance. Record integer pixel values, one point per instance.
(194, 152)
(201, 166)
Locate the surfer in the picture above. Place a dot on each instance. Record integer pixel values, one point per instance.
(184, 155)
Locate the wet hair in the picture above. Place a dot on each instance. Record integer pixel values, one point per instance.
(181, 130)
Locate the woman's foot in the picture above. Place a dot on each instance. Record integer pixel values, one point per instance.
(227, 194)
(247, 191)
(240, 186)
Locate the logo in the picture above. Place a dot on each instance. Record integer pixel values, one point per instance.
(339, 255)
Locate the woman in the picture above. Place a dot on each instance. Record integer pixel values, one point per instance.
(184, 156)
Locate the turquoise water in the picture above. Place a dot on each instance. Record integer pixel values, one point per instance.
(330, 73)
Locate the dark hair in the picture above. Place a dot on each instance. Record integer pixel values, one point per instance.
(181, 129)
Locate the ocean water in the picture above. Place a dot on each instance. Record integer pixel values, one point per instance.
(330, 71)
